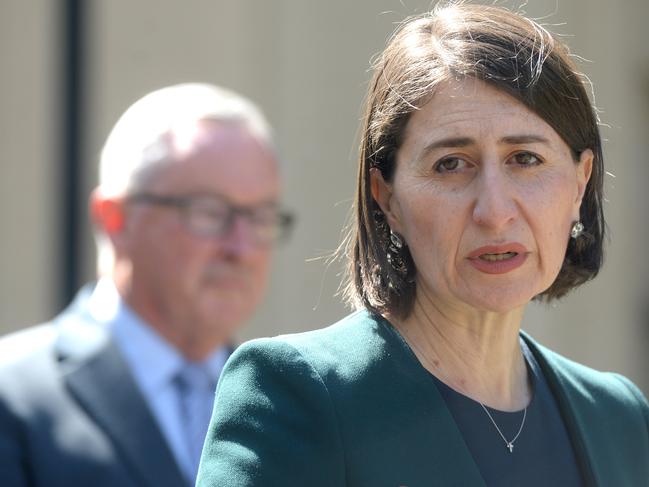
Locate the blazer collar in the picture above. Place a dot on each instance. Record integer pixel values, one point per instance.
(571, 403)
(453, 464)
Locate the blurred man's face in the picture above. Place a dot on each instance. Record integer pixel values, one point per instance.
(195, 286)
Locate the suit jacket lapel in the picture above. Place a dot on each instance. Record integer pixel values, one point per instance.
(449, 448)
(445, 453)
(104, 387)
(96, 374)
(572, 403)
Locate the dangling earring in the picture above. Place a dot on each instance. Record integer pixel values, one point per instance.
(577, 229)
(396, 239)
(395, 255)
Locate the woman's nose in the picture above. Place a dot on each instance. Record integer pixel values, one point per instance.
(495, 204)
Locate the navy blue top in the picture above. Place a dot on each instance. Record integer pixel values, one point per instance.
(541, 456)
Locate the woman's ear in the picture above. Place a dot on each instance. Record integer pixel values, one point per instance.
(383, 195)
(584, 169)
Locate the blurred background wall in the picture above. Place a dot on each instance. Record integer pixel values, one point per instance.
(71, 67)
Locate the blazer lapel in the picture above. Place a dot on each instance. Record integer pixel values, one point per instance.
(104, 387)
(582, 413)
(440, 445)
(447, 446)
(96, 374)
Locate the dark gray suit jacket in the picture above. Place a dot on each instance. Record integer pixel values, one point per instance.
(71, 413)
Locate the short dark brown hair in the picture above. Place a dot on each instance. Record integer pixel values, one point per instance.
(513, 54)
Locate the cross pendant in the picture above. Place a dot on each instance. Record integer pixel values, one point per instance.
(511, 447)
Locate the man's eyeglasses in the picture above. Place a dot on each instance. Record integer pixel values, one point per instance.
(213, 216)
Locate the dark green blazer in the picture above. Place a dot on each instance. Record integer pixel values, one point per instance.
(350, 405)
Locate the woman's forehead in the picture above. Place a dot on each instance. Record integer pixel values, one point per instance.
(471, 110)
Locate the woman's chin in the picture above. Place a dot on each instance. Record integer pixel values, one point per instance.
(500, 299)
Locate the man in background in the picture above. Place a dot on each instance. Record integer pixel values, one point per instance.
(118, 389)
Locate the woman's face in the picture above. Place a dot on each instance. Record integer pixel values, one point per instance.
(484, 194)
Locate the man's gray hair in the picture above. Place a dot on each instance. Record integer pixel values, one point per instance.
(140, 137)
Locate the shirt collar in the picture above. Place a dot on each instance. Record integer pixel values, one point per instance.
(153, 361)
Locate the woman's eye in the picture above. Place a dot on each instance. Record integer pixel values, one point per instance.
(449, 164)
(526, 159)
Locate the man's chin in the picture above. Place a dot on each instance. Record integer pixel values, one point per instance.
(226, 316)
(230, 281)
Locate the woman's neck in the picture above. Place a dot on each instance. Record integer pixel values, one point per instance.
(476, 353)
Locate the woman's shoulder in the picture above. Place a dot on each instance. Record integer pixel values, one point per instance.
(605, 410)
(346, 334)
(359, 344)
(580, 382)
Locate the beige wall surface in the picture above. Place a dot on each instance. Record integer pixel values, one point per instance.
(27, 162)
(307, 64)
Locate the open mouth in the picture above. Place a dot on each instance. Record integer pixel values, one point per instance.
(497, 257)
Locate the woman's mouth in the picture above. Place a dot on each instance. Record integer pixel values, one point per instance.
(498, 257)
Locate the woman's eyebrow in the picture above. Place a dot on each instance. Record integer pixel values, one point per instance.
(457, 142)
(448, 143)
(453, 142)
(524, 139)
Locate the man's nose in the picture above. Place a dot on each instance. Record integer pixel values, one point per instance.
(495, 200)
(239, 238)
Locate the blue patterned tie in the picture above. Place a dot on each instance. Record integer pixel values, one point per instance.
(196, 394)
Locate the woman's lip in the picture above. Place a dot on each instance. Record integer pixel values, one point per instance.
(517, 256)
(514, 247)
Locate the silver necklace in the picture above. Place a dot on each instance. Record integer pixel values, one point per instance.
(508, 443)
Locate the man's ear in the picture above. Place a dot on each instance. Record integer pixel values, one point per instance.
(382, 194)
(107, 213)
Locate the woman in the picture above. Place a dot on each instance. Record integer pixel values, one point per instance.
(480, 189)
